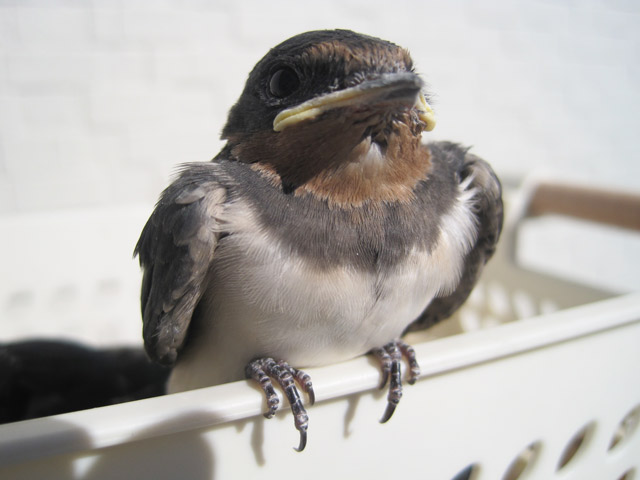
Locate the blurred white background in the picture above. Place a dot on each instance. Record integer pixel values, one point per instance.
(100, 100)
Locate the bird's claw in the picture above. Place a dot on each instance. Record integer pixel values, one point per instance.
(303, 441)
(262, 370)
(390, 357)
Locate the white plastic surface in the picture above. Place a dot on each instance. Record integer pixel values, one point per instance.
(484, 396)
(72, 274)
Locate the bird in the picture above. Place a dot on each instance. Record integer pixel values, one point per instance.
(325, 228)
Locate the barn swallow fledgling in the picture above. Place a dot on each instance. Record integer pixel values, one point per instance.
(323, 230)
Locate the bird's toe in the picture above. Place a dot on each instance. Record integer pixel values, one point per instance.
(262, 370)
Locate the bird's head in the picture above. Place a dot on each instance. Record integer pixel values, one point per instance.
(336, 114)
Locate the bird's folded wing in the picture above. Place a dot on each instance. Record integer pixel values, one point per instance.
(176, 248)
(487, 206)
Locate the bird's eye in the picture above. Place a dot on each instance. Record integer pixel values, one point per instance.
(283, 82)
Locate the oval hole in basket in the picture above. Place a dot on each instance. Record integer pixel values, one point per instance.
(20, 300)
(629, 474)
(64, 297)
(626, 428)
(523, 461)
(477, 297)
(467, 473)
(524, 306)
(498, 300)
(577, 442)
(109, 287)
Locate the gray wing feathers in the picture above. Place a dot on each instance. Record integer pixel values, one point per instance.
(489, 213)
(176, 248)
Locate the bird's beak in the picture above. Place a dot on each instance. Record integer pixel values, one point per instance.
(392, 88)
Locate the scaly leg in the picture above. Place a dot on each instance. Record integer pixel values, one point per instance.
(390, 357)
(262, 370)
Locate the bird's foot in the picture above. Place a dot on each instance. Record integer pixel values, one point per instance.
(390, 357)
(262, 370)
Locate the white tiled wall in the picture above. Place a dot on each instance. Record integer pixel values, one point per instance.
(100, 100)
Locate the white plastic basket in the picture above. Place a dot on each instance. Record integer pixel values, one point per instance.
(552, 396)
